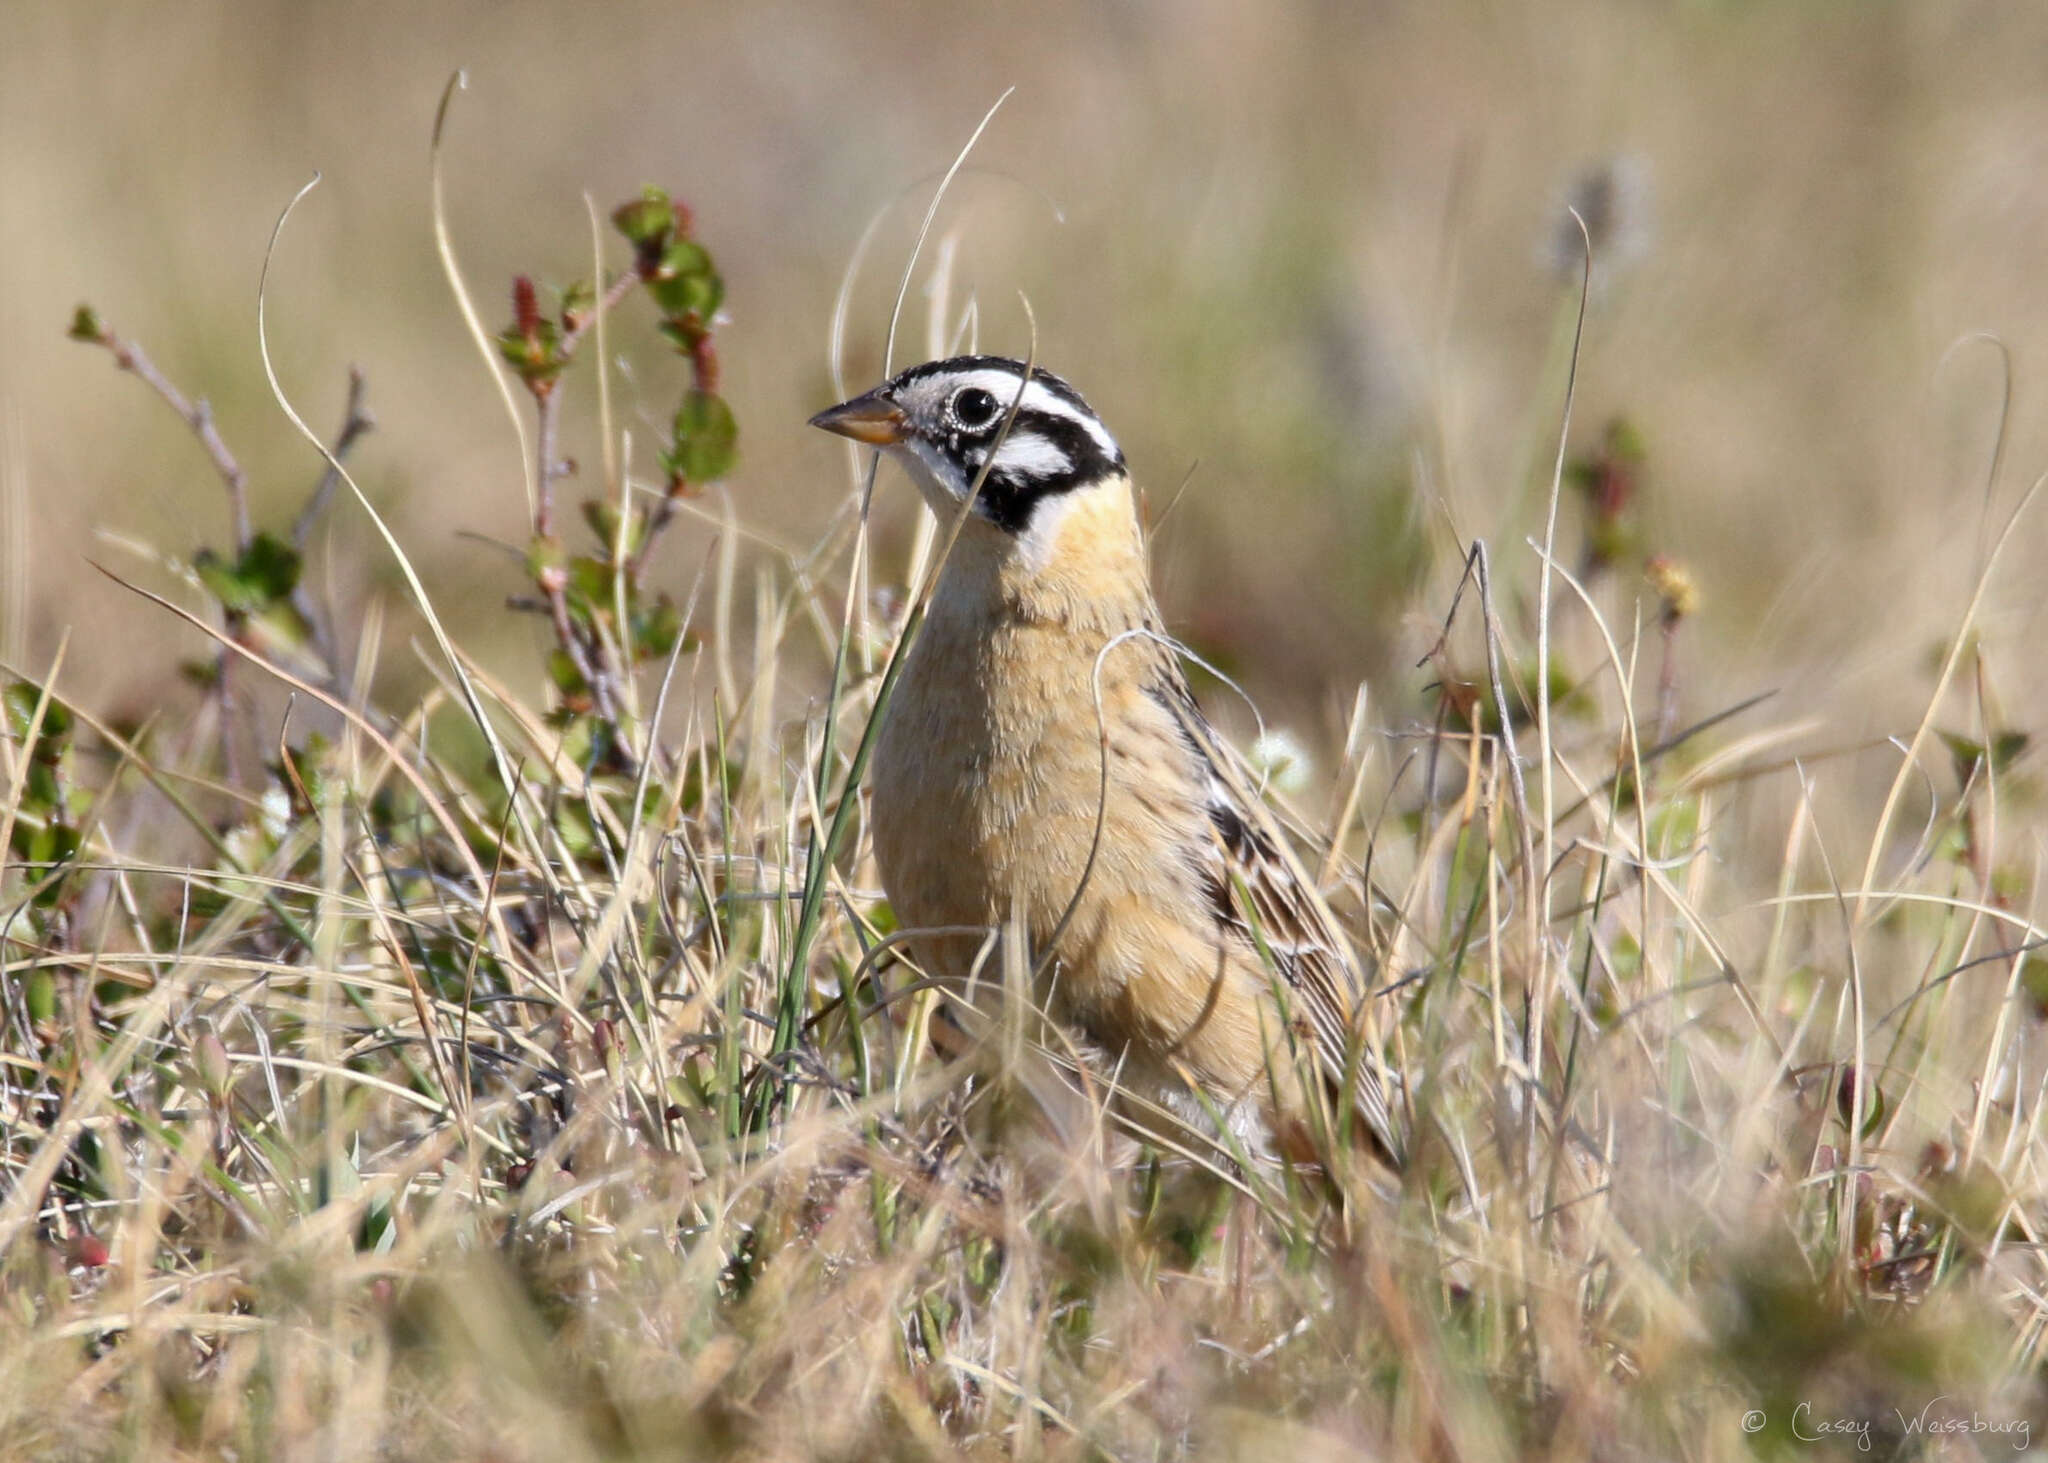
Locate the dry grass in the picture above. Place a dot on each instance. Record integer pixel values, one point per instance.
(446, 1087)
(590, 1123)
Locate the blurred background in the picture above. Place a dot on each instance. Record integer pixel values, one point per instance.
(1310, 262)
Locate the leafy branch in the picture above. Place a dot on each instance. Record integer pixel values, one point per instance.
(258, 587)
(603, 624)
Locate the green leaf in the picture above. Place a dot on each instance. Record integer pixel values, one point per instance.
(281, 624)
(655, 630)
(1610, 540)
(270, 565)
(562, 671)
(544, 554)
(1625, 442)
(1875, 1107)
(2034, 981)
(706, 439)
(1675, 827)
(85, 325)
(578, 299)
(266, 572)
(1968, 755)
(220, 579)
(534, 357)
(647, 219)
(21, 698)
(1965, 753)
(602, 514)
(685, 282)
(42, 996)
(590, 583)
(685, 257)
(693, 295)
(1952, 845)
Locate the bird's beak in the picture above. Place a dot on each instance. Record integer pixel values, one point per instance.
(873, 419)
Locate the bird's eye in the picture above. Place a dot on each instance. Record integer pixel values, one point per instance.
(974, 408)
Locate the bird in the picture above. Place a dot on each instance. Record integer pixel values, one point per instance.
(1042, 767)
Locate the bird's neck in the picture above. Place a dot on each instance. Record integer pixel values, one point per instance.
(1080, 562)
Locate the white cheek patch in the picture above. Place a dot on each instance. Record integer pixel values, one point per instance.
(1028, 456)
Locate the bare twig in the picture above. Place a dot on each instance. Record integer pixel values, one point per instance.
(356, 421)
(614, 295)
(1667, 679)
(198, 416)
(546, 466)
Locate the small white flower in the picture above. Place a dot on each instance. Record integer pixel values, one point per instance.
(277, 812)
(1281, 761)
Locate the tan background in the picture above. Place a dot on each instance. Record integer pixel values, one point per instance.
(1307, 247)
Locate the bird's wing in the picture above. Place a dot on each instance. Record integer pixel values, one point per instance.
(1260, 891)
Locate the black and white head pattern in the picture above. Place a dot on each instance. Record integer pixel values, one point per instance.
(954, 418)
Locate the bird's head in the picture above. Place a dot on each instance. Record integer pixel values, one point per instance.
(949, 422)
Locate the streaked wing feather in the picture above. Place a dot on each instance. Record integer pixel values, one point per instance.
(1255, 866)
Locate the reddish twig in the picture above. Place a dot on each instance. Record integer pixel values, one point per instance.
(591, 660)
(550, 403)
(613, 297)
(573, 646)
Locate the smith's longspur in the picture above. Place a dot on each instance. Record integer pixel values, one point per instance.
(1043, 766)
